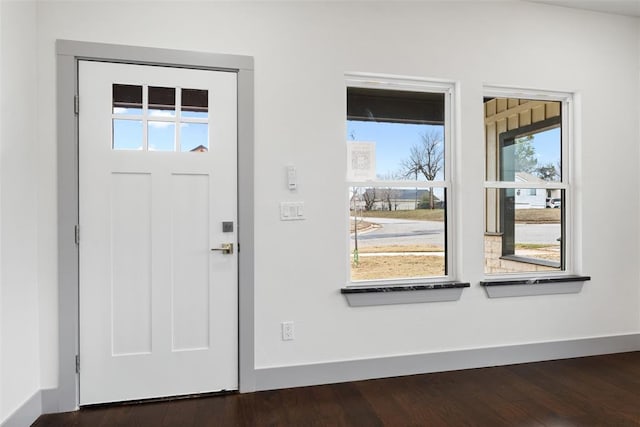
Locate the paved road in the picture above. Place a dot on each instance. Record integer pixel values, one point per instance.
(412, 232)
(401, 232)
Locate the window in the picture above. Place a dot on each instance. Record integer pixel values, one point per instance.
(527, 187)
(155, 118)
(398, 179)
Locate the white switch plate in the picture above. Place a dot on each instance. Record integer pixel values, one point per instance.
(292, 178)
(291, 211)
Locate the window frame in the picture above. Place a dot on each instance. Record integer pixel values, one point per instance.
(411, 84)
(146, 118)
(565, 184)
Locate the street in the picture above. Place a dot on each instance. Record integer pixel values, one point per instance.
(407, 232)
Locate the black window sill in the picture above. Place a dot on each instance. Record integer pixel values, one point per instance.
(549, 285)
(403, 294)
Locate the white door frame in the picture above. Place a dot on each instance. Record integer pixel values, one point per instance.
(68, 53)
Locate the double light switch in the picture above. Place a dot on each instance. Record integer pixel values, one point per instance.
(291, 211)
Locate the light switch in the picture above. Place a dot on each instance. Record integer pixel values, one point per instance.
(292, 178)
(291, 211)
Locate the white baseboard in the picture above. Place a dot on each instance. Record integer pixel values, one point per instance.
(50, 404)
(26, 414)
(354, 370)
(46, 401)
(42, 402)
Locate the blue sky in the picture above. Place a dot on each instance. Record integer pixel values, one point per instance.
(547, 146)
(127, 134)
(394, 142)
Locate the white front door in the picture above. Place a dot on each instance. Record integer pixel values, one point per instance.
(158, 198)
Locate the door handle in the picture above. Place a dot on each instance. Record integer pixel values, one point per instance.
(225, 248)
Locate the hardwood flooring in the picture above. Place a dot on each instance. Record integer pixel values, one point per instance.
(589, 391)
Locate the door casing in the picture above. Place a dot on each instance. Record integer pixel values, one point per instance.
(68, 53)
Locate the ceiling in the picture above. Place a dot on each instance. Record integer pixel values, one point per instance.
(618, 7)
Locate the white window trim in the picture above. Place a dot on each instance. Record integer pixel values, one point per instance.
(569, 160)
(415, 84)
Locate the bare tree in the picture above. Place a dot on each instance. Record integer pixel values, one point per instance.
(370, 198)
(388, 195)
(426, 158)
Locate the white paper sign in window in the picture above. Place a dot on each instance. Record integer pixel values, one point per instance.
(361, 158)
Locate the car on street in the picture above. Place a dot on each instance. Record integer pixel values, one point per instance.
(554, 203)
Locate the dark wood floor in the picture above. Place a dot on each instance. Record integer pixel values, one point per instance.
(590, 391)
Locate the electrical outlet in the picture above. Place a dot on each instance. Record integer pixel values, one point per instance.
(287, 331)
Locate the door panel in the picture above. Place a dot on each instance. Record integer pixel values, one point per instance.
(157, 160)
(130, 224)
(190, 261)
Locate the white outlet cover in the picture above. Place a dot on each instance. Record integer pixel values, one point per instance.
(288, 331)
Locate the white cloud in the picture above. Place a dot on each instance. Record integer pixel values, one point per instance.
(161, 125)
(161, 113)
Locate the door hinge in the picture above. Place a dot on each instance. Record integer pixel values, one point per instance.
(76, 104)
(77, 363)
(77, 234)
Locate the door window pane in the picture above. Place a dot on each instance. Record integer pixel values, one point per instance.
(194, 137)
(155, 107)
(162, 136)
(162, 101)
(127, 99)
(195, 103)
(127, 134)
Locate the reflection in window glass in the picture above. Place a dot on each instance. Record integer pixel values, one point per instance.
(127, 134)
(195, 103)
(162, 101)
(162, 136)
(194, 137)
(531, 231)
(395, 234)
(127, 99)
(524, 226)
(534, 154)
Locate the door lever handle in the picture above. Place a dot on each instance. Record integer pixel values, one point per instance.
(225, 248)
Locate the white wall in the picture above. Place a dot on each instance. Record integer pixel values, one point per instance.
(2, 411)
(302, 51)
(19, 356)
